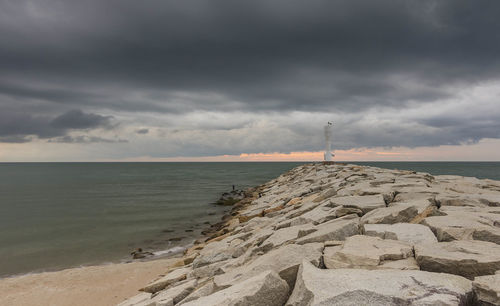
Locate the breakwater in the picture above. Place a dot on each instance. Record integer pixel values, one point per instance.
(332, 234)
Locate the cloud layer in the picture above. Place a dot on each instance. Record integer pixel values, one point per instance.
(227, 77)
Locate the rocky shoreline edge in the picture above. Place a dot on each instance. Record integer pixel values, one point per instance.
(335, 234)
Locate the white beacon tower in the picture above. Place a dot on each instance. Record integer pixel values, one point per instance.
(328, 142)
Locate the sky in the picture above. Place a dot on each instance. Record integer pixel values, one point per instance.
(231, 80)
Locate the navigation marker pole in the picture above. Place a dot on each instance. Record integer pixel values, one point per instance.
(328, 142)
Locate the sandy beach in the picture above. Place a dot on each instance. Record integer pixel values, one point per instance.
(95, 285)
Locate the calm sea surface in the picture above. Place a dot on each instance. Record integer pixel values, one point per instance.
(60, 215)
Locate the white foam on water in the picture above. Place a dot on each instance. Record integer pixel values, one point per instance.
(176, 249)
(173, 250)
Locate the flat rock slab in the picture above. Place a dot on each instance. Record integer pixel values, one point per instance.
(172, 296)
(403, 264)
(212, 253)
(139, 299)
(287, 234)
(346, 287)
(364, 203)
(465, 225)
(167, 280)
(337, 229)
(319, 214)
(395, 213)
(411, 233)
(204, 290)
(208, 271)
(487, 288)
(365, 252)
(264, 289)
(468, 258)
(343, 211)
(292, 222)
(285, 261)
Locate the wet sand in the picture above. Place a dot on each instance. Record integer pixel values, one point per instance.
(95, 285)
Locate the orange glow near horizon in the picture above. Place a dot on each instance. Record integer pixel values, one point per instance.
(484, 150)
(341, 155)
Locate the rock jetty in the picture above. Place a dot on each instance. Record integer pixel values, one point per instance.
(335, 234)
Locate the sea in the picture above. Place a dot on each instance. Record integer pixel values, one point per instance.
(62, 215)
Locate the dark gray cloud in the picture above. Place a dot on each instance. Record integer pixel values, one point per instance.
(262, 57)
(142, 131)
(76, 119)
(22, 127)
(85, 139)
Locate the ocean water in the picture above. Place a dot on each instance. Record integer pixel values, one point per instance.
(60, 215)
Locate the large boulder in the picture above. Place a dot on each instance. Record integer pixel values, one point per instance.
(403, 264)
(264, 289)
(328, 193)
(173, 295)
(319, 214)
(138, 299)
(211, 258)
(167, 280)
(345, 287)
(255, 223)
(456, 200)
(389, 215)
(366, 252)
(213, 252)
(405, 196)
(341, 211)
(337, 229)
(411, 233)
(302, 209)
(292, 222)
(209, 270)
(468, 258)
(284, 235)
(285, 261)
(203, 290)
(487, 289)
(230, 246)
(364, 203)
(465, 225)
(396, 212)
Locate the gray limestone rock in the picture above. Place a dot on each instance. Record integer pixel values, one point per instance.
(353, 287)
(364, 203)
(468, 258)
(487, 289)
(167, 280)
(285, 261)
(337, 229)
(411, 233)
(465, 225)
(138, 299)
(204, 290)
(173, 295)
(365, 252)
(395, 213)
(264, 289)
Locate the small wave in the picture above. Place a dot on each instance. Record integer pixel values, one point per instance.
(176, 249)
(173, 250)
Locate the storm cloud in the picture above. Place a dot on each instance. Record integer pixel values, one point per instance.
(18, 127)
(227, 77)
